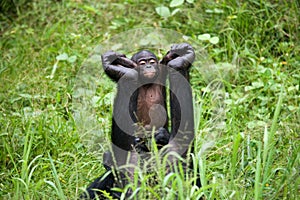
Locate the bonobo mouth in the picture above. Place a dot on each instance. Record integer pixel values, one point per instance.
(149, 74)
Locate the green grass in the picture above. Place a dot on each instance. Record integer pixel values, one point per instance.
(246, 148)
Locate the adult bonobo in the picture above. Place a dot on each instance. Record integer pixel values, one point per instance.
(140, 109)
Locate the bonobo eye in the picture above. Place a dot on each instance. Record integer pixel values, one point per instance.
(142, 62)
(152, 61)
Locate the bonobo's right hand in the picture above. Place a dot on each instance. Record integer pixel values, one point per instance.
(110, 57)
(115, 58)
(140, 145)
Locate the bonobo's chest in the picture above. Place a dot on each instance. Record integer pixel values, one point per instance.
(148, 96)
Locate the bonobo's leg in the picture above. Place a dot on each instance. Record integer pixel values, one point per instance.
(179, 59)
(103, 183)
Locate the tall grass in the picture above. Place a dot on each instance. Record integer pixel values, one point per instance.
(248, 150)
(263, 174)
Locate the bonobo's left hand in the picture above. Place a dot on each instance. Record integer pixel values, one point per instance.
(162, 137)
(183, 55)
(181, 49)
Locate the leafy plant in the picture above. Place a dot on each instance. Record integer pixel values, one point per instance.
(165, 11)
(246, 97)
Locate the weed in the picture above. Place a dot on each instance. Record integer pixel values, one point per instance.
(248, 148)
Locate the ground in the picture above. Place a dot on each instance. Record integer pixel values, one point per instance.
(247, 147)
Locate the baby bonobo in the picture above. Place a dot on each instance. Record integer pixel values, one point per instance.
(140, 109)
(151, 104)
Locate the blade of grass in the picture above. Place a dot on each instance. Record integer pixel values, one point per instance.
(234, 161)
(59, 190)
(257, 183)
(270, 147)
(25, 158)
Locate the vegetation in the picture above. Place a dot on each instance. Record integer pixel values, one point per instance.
(247, 148)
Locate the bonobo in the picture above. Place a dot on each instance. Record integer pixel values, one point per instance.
(150, 105)
(140, 109)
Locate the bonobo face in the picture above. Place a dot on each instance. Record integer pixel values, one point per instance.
(147, 65)
(148, 68)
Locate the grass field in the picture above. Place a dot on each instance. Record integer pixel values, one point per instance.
(248, 150)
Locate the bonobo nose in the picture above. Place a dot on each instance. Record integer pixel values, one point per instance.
(148, 66)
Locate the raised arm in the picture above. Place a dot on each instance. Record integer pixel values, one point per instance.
(179, 60)
(117, 65)
(180, 57)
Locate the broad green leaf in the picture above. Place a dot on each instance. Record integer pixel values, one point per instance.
(163, 11)
(204, 36)
(214, 40)
(248, 88)
(218, 11)
(257, 84)
(62, 56)
(72, 59)
(190, 1)
(175, 3)
(89, 8)
(209, 11)
(29, 96)
(175, 11)
(232, 17)
(256, 123)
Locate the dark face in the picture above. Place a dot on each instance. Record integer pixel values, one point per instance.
(147, 65)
